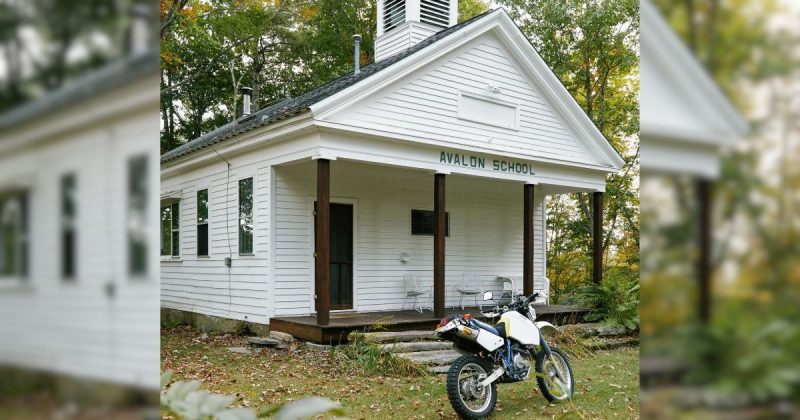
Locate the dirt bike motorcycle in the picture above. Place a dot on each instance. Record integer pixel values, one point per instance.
(506, 352)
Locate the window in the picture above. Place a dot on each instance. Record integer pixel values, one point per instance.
(202, 223)
(394, 14)
(13, 237)
(246, 216)
(137, 215)
(422, 222)
(68, 219)
(170, 230)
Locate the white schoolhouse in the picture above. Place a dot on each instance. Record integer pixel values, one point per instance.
(425, 173)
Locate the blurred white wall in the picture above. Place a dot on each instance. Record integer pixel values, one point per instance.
(102, 322)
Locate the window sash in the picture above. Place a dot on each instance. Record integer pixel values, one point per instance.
(13, 237)
(170, 230)
(138, 203)
(422, 223)
(69, 204)
(202, 223)
(246, 216)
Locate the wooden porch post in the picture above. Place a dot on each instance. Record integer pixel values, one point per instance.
(527, 247)
(322, 241)
(704, 189)
(439, 226)
(597, 237)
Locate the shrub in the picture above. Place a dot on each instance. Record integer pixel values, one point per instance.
(614, 302)
(372, 359)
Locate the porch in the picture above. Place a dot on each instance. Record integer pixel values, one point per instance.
(343, 323)
(352, 255)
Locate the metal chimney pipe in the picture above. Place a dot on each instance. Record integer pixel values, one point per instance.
(246, 92)
(357, 52)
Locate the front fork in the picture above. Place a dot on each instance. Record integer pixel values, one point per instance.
(549, 354)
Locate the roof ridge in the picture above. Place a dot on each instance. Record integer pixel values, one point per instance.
(301, 103)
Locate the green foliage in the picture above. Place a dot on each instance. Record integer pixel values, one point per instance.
(187, 401)
(615, 302)
(467, 9)
(372, 359)
(740, 358)
(593, 47)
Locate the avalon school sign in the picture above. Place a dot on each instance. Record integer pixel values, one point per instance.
(477, 162)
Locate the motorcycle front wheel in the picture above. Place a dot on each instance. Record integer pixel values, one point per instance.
(468, 398)
(554, 388)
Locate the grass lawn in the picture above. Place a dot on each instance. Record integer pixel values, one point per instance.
(607, 382)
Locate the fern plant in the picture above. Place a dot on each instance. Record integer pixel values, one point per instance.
(613, 302)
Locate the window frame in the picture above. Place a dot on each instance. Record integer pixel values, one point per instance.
(174, 228)
(206, 222)
(242, 216)
(137, 210)
(19, 201)
(68, 227)
(446, 225)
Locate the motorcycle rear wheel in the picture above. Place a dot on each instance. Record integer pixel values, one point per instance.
(469, 400)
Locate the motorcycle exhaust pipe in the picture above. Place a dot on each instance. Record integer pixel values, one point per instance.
(467, 333)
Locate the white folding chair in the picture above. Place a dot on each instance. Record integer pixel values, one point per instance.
(469, 286)
(542, 285)
(413, 288)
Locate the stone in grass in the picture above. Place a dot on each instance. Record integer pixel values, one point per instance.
(263, 341)
(240, 350)
(282, 336)
(317, 347)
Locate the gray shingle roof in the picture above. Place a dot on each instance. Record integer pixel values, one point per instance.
(295, 106)
(117, 73)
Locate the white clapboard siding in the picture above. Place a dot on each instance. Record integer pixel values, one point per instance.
(485, 232)
(75, 327)
(402, 38)
(204, 284)
(427, 103)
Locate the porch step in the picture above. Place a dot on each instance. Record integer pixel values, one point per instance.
(415, 346)
(431, 358)
(439, 370)
(400, 336)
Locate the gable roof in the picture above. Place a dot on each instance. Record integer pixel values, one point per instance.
(293, 106)
(347, 84)
(683, 103)
(118, 72)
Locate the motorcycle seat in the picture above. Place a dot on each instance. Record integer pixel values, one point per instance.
(485, 326)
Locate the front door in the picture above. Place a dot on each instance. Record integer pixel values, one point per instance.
(341, 261)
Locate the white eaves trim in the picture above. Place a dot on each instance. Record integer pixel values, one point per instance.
(669, 53)
(522, 51)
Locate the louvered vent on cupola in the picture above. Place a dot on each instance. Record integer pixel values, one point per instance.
(394, 14)
(435, 12)
(403, 23)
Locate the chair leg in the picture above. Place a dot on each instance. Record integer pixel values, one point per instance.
(461, 301)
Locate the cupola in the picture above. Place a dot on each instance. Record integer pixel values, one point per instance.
(404, 23)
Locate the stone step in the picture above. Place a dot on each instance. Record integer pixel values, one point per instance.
(431, 358)
(399, 336)
(412, 346)
(439, 370)
(594, 330)
(263, 341)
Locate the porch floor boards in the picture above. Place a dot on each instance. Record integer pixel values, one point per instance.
(343, 323)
